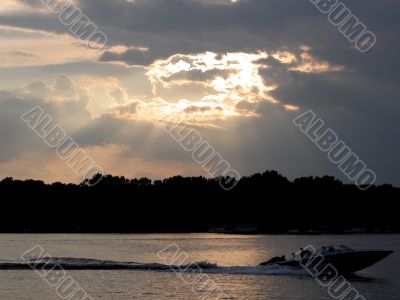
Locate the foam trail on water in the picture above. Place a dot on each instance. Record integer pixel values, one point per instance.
(94, 264)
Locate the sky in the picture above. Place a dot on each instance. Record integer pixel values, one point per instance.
(237, 71)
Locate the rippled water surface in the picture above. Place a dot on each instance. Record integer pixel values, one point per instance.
(231, 265)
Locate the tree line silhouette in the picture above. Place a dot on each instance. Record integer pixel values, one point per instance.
(192, 204)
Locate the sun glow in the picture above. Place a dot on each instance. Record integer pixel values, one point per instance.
(207, 87)
(227, 79)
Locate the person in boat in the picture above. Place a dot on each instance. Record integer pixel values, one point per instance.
(305, 253)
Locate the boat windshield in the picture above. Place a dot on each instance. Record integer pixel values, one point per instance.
(333, 249)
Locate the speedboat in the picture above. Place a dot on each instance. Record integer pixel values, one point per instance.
(343, 259)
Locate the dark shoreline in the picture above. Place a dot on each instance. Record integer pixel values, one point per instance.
(263, 203)
(204, 232)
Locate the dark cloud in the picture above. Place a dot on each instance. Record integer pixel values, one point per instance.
(201, 109)
(360, 103)
(130, 57)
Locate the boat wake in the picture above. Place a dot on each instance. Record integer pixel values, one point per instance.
(93, 264)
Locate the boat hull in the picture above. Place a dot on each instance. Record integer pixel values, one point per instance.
(344, 262)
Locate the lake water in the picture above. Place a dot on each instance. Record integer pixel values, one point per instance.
(236, 274)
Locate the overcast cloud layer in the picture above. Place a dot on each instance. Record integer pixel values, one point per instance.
(240, 71)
